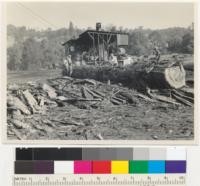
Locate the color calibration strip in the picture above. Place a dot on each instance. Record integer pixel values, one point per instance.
(100, 161)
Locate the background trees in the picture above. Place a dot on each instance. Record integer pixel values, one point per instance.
(31, 49)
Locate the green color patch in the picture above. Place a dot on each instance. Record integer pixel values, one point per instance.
(138, 167)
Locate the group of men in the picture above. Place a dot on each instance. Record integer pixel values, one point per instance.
(68, 65)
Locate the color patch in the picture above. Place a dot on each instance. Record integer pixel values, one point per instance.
(108, 154)
(157, 167)
(24, 154)
(82, 167)
(63, 167)
(57, 154)
(119, 167)
(124, 154)
(175, 167)
(141, 154)
(157, 154)
(176, 154)
(43, 167)
(138, 167)
(24, 167)
(90, 153)
(101, 167)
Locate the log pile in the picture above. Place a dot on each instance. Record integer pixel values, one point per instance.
(31, 100)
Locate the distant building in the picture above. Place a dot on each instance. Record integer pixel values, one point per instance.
(97, 44)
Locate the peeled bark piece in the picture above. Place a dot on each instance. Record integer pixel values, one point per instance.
(85, 93)
(182, 100)
(18, 124)
(190, 99)
(30, 100)
(18, 104)
(49, 90)
(187, 91)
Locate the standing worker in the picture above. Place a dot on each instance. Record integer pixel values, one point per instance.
(68, 65)
(156, 53)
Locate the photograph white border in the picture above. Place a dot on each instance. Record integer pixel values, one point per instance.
(3, 86)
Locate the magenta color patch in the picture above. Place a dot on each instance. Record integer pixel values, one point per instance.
(82, 167)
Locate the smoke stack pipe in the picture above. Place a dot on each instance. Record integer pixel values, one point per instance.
(98, 26)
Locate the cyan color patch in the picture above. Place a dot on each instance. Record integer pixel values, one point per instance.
(157, 167)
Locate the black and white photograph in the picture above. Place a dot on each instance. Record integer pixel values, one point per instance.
(100, 71)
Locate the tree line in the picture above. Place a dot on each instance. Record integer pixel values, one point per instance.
(29, 49)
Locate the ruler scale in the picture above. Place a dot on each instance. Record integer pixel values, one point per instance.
(103, 180)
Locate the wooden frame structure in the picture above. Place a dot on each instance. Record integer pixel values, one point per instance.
(99, 44)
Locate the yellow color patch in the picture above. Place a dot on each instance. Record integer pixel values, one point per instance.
(119, 167)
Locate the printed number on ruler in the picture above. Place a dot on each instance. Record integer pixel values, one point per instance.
(103, 180)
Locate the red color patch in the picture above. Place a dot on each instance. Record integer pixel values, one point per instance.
(101, 167)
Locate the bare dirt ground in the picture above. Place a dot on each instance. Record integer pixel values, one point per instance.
(140, 119)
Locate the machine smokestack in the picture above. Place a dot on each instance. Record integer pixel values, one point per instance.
(98, 26)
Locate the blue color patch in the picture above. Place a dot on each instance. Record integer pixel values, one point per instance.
(156, 167)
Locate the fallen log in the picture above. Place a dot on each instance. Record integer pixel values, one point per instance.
(162, 98)
(115, 102)
(119, 100)
(99, 93)
(135, 75)
(62, 98)
(187, 91)
(190, 99)
(181, 100)
(145, 97)
(69, 122)
(17, 104)
(95, 95)
(166, 77)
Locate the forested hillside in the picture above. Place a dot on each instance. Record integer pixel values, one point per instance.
(29, 49)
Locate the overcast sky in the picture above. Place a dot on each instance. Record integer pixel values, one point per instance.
(42, 15)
